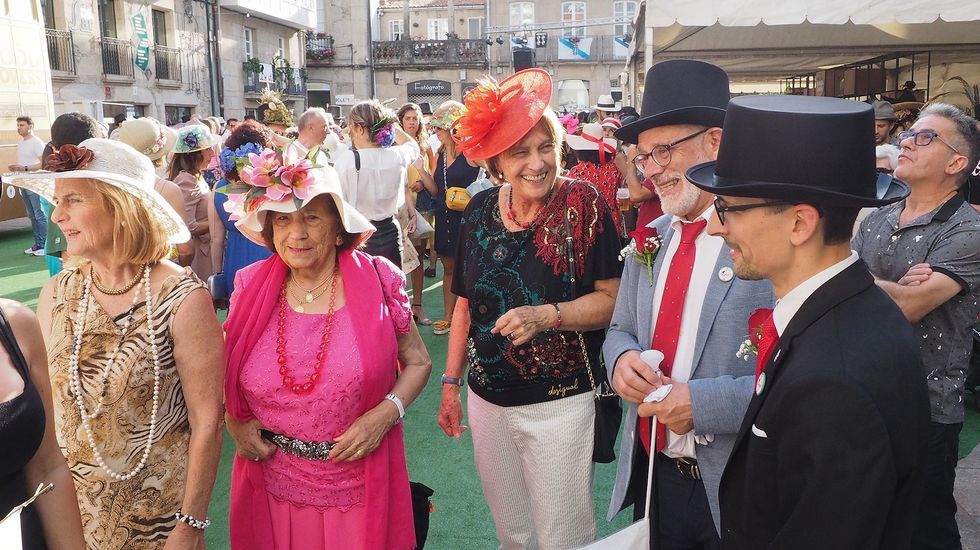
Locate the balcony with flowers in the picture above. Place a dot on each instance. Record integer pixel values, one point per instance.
(319, 49)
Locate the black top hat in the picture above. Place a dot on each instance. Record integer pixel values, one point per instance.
(426, 108)
(817, 150)
(680, 91)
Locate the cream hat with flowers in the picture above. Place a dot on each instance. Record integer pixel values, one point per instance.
(195, 137)
(148, 136)
(264, 188)
(116, 164)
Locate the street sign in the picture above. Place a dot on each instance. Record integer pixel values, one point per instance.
(346, 99)
(142, 42)
(540, 40)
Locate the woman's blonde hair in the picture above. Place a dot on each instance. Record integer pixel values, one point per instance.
(137, 236)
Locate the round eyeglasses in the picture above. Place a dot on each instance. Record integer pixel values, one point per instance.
(661, 153)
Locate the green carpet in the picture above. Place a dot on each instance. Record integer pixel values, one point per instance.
(461, 518)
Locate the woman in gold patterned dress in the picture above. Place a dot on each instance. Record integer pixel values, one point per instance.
(135, 354)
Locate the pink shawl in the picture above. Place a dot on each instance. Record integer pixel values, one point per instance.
(387, 495)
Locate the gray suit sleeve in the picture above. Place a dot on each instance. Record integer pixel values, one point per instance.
(621, 336)
(719, 404)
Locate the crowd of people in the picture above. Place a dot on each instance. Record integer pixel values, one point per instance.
(782, 299)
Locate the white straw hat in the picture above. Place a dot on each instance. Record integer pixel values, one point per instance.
(195, 137)
(148, 136)
(116, 164)
(590, 139)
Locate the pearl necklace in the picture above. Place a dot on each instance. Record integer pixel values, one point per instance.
(74, 378)
(115, 351)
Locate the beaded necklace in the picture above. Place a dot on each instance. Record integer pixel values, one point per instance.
(534, 221)
(287, 380)
(74, 378)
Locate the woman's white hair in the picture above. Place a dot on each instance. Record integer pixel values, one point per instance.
(888, 151)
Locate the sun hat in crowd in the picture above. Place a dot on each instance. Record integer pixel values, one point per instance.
(497, 116)
(194, 137)
(591, 139)
(111, 162)
(607, 103)
(148, 136)
(446, 120)
(815, 150)
(611, 122)
(273, 181)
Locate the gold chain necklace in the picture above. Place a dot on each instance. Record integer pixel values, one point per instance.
(117, 291)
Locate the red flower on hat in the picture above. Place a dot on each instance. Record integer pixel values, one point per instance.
(68, 158)
(485, 105)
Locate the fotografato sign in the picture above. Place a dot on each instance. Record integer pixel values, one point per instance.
(430, 87)
(142, 42)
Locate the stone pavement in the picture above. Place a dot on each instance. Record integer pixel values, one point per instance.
(967, 493)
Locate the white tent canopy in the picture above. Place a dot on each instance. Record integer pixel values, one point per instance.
(737, 13)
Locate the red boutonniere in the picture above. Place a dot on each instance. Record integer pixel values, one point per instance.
(750, 347)
(643, 248)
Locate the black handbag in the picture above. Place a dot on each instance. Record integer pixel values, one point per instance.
(608, 407)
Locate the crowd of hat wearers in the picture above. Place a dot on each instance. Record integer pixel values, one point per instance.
(821, 443)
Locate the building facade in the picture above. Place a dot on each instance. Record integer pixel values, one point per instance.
(584, 45)
(263, 43)
(124, 56)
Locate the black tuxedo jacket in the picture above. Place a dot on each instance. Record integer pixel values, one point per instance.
(830, 453)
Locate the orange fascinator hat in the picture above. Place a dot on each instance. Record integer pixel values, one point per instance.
(498, 115)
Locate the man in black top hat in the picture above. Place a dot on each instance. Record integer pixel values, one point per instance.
(830, 452)
(682, 306)
(934, 226)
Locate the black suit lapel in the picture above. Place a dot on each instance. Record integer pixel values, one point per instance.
(854, 279)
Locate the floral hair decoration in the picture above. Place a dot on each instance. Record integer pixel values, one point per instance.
(383, 131)
(498, 115)
(268, 175)
(570, 122)
(68, 158)
(228, 158)
(447, 119)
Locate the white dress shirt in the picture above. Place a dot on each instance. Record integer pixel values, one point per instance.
(707, 248)
(787, 306)
(377, 190)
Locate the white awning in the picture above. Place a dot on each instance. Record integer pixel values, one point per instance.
(738, 13)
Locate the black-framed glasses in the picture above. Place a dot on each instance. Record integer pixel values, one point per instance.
(661, 153)
(721, 207)
(924, 138)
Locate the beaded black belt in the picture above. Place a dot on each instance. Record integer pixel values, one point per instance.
(312, 450)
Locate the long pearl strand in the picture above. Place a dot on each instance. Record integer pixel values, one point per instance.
(115, 350)
(76, 385)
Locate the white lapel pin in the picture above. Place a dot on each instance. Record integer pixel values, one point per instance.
(726, 274)
(760, 384)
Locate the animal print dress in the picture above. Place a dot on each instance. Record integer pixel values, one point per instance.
(138, 513)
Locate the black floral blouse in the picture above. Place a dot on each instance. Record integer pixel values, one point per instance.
(498, 270)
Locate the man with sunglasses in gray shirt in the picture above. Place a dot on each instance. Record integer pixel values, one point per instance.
(924, 251)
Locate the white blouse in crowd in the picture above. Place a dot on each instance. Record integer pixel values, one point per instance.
(377, 189)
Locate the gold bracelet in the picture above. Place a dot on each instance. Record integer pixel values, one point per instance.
(558, 322)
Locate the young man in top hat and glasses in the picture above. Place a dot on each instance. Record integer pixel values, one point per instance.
(830, 452)
(682, 306)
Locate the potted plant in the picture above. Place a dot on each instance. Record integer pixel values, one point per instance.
(253, 65)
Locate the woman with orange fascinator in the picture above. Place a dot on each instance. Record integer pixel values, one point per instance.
(537, 272)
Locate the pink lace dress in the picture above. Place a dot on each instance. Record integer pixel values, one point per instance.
(315, 503)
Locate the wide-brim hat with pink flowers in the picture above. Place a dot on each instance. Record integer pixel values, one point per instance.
(272, 181)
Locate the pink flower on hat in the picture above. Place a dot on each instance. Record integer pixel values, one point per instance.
(261, 169)
(298, 178)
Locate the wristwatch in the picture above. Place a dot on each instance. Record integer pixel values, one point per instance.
(452, 380)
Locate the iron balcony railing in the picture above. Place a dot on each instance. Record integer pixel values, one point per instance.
(167, 63)
(429, 53)
(319, 49)
(61, 50)
(117, 57)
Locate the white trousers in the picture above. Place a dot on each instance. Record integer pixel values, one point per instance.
(535, 465)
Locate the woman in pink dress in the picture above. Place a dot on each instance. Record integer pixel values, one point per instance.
(314, 404)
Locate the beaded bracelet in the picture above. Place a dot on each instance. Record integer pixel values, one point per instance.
(558, 322)
(201, 524)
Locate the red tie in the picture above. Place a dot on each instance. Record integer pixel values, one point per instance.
(668, 329)
(767, 343)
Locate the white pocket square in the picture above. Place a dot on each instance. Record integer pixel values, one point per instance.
(758, 432)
